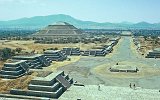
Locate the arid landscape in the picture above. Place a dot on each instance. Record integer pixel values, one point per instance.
(79, 50)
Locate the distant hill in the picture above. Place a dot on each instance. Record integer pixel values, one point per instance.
(42, 21)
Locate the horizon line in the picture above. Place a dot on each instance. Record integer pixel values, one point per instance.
(79, 19)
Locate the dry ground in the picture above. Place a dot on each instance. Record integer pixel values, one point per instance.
(30, 45)
(148, 44)
(20, 83)
(145, 70)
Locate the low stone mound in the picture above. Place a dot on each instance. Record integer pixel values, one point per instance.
(123, 68)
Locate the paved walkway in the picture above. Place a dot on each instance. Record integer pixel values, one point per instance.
(91, 92)
(125, 53)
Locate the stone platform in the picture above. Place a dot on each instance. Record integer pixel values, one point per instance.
(14, 69)
(55, 55)
(35, 61)
(51, 86)
(123, 68)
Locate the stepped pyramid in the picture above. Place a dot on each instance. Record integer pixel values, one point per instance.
(55, 55)
(14, 69)
(51, 86)
(35, 61)
(59, 29)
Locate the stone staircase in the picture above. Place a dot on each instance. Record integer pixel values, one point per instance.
(100, 53)
(55, 55)
(153, 54)
(86, 53)
(14, 69)
(35, 61)
(51, 86)
(71, 51)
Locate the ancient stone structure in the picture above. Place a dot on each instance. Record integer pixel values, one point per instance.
(86, 53)
(55, 55)
(59, 30)
(123, 68)
(102, 51)
(153, 54)
(94, 52)
(51, 86)
(14, 69)
(109, 49)
(71, 51)
(35, 61)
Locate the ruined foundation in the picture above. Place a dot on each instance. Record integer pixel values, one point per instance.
(123, 68)
(14, 69)
(71, 51)
(51, 86)
(55, 55)
(35, 61)
(153, 54)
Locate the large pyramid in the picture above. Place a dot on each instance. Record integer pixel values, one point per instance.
(59, 29)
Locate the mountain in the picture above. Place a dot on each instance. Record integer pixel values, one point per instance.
(42, 21)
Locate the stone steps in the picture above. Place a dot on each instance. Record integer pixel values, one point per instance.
(14, 69)
(12, 72)
(55, 94)
(11, 76)
(43, 82)
(20, 97)
(11, 68)
(35, 61)
(52, 88)
(55, 55)
(152, 56)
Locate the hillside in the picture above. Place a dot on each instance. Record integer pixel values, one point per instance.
(42, 21)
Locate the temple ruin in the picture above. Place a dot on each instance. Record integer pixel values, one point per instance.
(153, 54)
(71, 51)
(35, 61)
(123, 68)
(14, 69)
(59, 30)
(55, 55)
(51, 86)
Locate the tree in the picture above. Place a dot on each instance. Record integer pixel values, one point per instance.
(18, 50)
(6, 53)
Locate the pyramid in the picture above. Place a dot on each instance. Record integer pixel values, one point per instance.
(59, 29)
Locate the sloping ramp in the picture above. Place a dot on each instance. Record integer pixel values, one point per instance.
(63, 81)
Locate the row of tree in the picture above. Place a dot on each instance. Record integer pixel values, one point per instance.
(7, 53)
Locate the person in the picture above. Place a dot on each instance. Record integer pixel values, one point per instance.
(134, 86)
(99, 87)
(130, 85)
(137, 69)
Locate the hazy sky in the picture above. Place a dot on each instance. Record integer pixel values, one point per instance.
(92, 10)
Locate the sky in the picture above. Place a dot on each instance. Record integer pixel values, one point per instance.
(87, 10)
